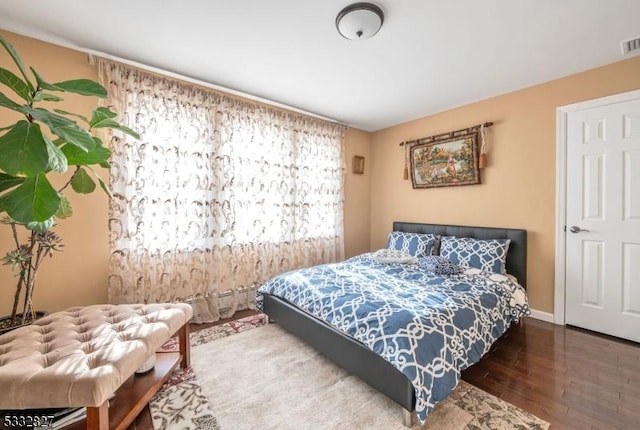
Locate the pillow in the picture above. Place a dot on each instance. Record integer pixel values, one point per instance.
(416, 244)
(439, 266)
(394, 256)
(489, 255)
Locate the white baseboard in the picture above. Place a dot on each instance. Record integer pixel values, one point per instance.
(541, 315)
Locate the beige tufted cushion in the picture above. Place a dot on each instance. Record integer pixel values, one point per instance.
(80, 356)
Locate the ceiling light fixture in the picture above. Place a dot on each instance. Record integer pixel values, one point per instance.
(359, 21)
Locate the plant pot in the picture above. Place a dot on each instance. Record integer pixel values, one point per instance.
(5, 322)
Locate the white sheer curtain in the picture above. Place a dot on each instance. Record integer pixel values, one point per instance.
(218, 195)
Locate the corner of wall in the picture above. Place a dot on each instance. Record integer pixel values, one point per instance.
(357, 194)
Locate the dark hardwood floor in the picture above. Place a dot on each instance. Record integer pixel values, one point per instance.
(572, 378)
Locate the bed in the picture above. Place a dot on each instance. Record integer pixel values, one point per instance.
(324, 331)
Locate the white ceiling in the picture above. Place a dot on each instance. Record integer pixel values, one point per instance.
(429, 56)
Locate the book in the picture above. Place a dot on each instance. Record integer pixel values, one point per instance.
(71, 416)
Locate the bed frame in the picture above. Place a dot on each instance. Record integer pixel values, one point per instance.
(357, 358)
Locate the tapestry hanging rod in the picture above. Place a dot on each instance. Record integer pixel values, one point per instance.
(447, 135)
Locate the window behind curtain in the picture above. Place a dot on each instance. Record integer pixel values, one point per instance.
(219, 194)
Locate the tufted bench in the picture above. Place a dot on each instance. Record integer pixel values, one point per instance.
(81, 356)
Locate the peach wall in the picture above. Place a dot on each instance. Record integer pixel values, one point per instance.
(518, 186)
(78, 275)
(357, 191)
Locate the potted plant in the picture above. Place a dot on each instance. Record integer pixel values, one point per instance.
(43, 143)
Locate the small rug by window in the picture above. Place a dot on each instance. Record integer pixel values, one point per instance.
(285, 384)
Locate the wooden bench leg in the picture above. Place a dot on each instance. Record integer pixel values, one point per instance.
(98, 417)
(185, 345)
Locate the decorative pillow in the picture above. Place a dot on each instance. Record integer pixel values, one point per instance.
(394, 256)
(439, 266)
(416, 244)
(489, 255)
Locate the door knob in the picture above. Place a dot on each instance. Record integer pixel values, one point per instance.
(576, 229)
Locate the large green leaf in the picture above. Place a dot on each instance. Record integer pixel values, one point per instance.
(64, 128)
(8, 181)
(34, 200)
(46, 97)
(76, 156)
(42, 226)
(82, 182)
(47, 117)
(100, 114)
(103, 118)
(109, 123)
(8, 103)
(85, 87)
(65, 210)
(97, 141)
(57, 159)
(104, 186)
(75, 135)
(42, 84)
(16, 59)
(64, 112)
(127, 130)
(23, 150)
(102, 183)
(16, 84)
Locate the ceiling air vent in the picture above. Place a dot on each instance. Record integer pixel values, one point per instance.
(631, 46)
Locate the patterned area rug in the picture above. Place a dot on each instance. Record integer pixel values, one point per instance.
(180, 403)
(264, 391)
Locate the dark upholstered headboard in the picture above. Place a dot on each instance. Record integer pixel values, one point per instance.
(516, 256)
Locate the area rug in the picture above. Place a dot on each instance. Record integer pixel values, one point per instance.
(247, 375)
(180, 403)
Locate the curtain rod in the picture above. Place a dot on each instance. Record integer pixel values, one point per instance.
(96, 54)
(447, 134)
(65, 44)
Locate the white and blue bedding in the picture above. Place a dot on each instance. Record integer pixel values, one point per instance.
(429, 327)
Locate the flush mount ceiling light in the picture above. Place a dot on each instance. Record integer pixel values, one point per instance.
(359, 21)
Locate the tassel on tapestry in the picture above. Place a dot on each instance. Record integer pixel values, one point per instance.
(405, 174)
(482, 162)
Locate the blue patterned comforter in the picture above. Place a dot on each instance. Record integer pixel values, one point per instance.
(429, 327)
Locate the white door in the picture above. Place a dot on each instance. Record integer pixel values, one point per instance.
(603, 219)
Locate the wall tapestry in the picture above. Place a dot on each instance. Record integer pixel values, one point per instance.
(447, 162)
(447, 159)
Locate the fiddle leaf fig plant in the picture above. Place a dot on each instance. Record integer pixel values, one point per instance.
(41, 144)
